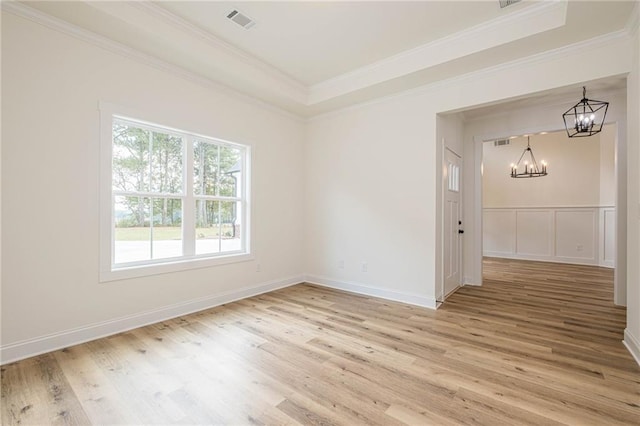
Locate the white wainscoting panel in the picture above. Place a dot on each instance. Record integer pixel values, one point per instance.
(534, 233)
(499, 231)
(582, 235)
(576, 236)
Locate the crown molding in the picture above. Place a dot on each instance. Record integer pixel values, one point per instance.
(514, 26)
(25, 11)
(34, 15)
(183, 25)
(549, 55)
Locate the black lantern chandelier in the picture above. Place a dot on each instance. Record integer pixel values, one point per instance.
(531, 168)
(585, 118)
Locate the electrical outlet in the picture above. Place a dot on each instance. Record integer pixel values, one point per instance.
(365, 267)
(340, 264)
(258, 267)
(579, 247)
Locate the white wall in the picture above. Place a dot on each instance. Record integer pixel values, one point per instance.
(366, 190)
(608, 166)
(632, 332)
(373, 172)
(370, 179)
(52, 84)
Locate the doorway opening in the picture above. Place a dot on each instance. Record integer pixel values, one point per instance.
(550, 235)
(533, 115)
(567, 216)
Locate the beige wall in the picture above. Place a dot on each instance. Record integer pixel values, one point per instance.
(581, 172)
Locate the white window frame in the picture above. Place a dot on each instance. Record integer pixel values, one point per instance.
(109, 271)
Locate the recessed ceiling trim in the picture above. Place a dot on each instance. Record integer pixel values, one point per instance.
(604, 44)
(273, 98)
(510, 27)
(230, 66)
(64, 27)
(294, 89)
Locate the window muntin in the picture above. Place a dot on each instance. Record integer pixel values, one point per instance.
(216, 169)
(218, 220)
(176, 196)
(217, 177)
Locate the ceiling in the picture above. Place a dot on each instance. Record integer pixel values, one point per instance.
(316, 41)
(309, 57)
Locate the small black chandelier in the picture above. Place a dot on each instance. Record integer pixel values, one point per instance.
(531, 168)
(585, 118)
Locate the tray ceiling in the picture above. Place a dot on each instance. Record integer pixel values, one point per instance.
(312, 57)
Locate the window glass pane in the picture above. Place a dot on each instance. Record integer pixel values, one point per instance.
(152, 194)
(230, 172)
(231, 226)
(132, 229)
(167, 228)
(208, 226)
(205, 168)
(453, 172)
(166, 163)
(130, 167)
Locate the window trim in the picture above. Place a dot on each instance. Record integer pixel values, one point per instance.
(108, 271)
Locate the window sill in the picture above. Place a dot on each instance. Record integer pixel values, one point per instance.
(124, 273)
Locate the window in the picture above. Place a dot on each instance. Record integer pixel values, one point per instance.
(454, 177)
(177, 200)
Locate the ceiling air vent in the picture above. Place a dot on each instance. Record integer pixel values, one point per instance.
(241, 19)
(505, 3)
(501, 142)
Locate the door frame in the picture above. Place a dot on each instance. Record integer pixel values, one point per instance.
(619, 284)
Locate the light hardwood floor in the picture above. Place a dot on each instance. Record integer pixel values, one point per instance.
(538, 344)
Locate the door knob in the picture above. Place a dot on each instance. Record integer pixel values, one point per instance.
(460, 231)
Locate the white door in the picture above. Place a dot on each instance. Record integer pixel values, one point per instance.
(453, 230)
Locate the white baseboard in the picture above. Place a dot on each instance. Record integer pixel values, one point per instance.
(411, 299)
(632, 344)
(551, 259)
(39, 345)
(471, 281)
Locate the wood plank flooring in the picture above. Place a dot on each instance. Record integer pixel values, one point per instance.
(537, 344)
